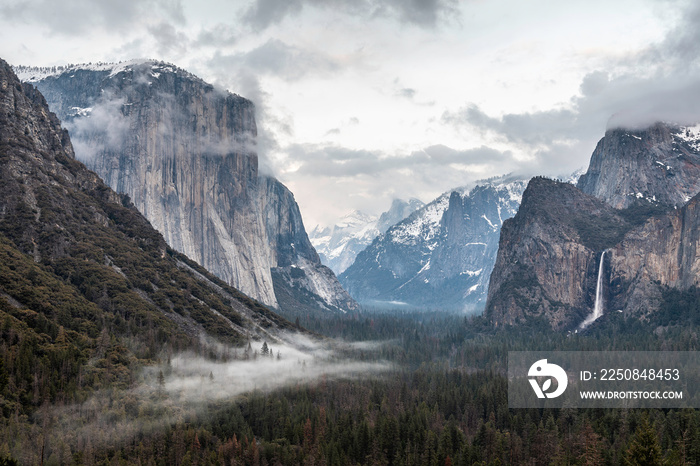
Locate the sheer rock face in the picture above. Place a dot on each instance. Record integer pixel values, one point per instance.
(79, 231)
(661, 252)
(184, 151)
(636, 201)
(548, 256)
(660, 164)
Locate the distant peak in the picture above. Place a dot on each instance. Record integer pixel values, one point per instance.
(358, 216)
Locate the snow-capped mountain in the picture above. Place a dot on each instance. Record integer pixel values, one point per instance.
(338, 246)
(442, 255)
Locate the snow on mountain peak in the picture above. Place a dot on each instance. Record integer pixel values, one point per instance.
(340, 244)
(424, 223)
(37, 73)
(690, 135)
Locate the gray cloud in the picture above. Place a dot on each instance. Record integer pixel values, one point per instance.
(279, 59)
(369, 180)
(341, 162)
(264, 13)
(661, 83)
(423, 13)
(409, 93)
(217, 36)
(406, 92)
(168, 39)
(525, 128)
(682, 45)
(98, 128)
(75, 17)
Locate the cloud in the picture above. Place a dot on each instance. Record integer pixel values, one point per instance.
(368, 180)
(168, 39)
(341, 162)
(406, 92)
(276, 58)
(263, 13)
(98, 128)
(219, 35)
(523, 129)
(424, 13)
(76, 17)
(681, 47)
(660, 83)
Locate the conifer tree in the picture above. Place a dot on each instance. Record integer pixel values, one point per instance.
(644, 449)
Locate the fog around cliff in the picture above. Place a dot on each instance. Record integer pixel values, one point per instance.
(105, 126)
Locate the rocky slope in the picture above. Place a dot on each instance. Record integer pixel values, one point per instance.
(80, 255)
(339, 245)
(548, 255)
(184, 152)
(440, 257)
(636, 202)
(660, 164)
(663, 252)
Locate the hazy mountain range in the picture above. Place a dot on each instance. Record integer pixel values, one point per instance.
(339, 245)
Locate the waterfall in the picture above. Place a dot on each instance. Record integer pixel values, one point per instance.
(598, 307)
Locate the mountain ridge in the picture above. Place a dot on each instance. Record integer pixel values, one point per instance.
(184, 151)
(637, 201)
(440, 255)
(339, 245)
(89, 291)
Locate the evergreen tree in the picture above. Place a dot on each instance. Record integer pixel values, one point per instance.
(644, 449)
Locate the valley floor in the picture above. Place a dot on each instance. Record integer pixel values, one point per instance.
(441, 401)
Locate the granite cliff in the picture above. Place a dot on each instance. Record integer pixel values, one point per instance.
(660, 164)
(184, 151)
(635, 202)
(78, 255)
(548, 255)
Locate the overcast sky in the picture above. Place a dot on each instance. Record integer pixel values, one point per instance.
(362, 101)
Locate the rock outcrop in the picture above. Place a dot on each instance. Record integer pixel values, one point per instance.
(660, 164)
(636, 201)
(548, 255)
(96, 261)
(441, 256)
(663, 252)
(184, 151)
